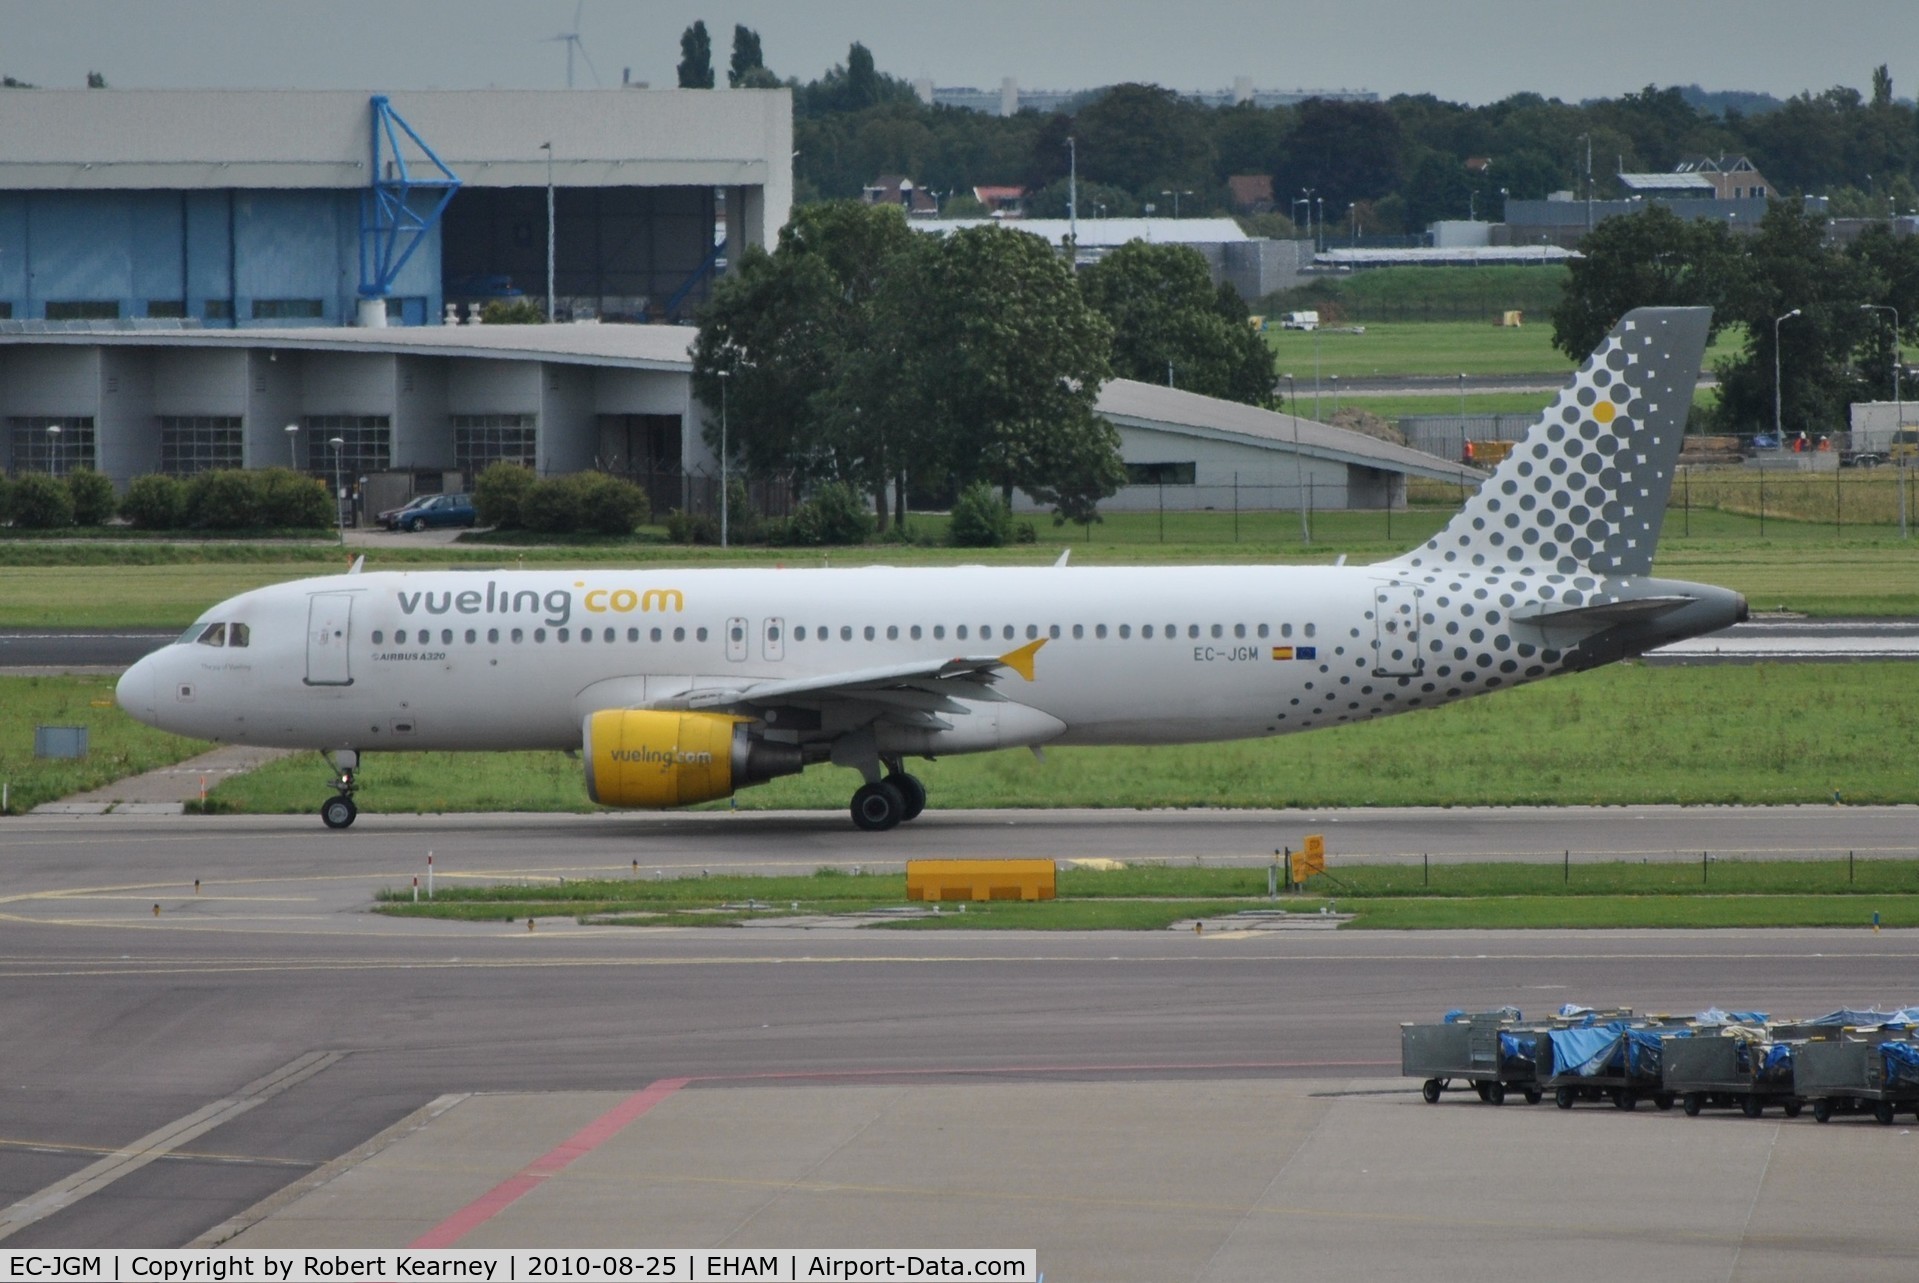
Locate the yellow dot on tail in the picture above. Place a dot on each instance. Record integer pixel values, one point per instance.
(1604, 412)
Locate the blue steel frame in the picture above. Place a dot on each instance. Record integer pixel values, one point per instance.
(391, 229)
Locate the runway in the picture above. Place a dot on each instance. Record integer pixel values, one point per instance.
(175, 1069)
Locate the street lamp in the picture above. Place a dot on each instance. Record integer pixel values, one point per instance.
(1899, 407)
(1462, 400)
(339, 490)
(1335, 381)
(1778, 432)
(1310, 234)
(1072, 194)
(724, 487)
(293, 446)
(53, 449)
(1175, 194)
(547, 147)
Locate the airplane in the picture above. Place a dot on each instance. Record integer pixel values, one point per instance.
(684, 686)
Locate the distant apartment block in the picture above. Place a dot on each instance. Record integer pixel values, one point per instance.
(1009, 99)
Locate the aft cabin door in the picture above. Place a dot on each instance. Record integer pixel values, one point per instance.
(773, 640)
(736, 640)
(1396, 631)
(329, 627)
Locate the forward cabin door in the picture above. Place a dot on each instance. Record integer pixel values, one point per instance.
(773, 640)
(329, 629)
(1396, 631)
(736, 640)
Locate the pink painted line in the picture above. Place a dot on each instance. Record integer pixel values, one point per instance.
(552, 1163)
(1015, 1070)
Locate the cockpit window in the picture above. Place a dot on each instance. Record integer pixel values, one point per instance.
(214, 635)
(238, 634)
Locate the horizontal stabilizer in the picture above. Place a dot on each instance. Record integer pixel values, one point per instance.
(1605, 614)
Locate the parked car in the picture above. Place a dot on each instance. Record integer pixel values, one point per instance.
(431, 510)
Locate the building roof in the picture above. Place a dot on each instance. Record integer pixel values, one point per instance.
(1468, 255)
(1678, 182)
(1107, 232)
(1148, 405)
(657, 347)
(173, 139)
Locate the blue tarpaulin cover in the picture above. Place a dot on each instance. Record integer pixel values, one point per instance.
(1599, 1049)
(1856, 1016)
(1902, 1063)
(1644, 1048)
(1714, 1016)
(1517, 1052)
(1776, 1068)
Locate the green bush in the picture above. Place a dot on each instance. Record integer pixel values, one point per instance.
(92, 497)
(834, 515)
(293, 500)
(609, 505)
(692, 527)
(498, 493)
(41, 502)
(981, 518)
(551, 505)
(154, 502)
(6, 501)
(223, 500)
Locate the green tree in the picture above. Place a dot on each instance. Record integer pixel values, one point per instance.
(1650, 259)
(1791, 265)
(1343, 151)
(1000, 361)
(499, 492)
(696, 58)
(746, 55)
(96, 80)
(1165, 312)
(41, 502)
(92, 497)
(153, 502)
(519, 311)
(1142, 138)
(981, 518)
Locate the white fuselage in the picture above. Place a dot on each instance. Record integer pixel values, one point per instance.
(515, 659)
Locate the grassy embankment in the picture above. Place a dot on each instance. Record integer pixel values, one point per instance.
(1731, 893)
(117, 745)
(1765, 734)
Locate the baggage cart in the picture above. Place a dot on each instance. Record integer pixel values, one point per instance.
(1726, 1072)
(1490, 1051)
(1858, 1072)
(1614, 1061)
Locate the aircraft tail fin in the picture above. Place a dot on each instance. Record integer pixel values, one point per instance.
(1585, 491)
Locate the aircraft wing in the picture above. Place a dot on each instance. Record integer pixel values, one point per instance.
(905, 692)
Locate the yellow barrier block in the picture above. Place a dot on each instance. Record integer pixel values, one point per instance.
(937, 880)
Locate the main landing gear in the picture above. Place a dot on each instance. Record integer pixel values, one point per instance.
(889, 802)
(338, 812)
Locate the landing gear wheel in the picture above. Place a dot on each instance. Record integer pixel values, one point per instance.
(878, 807)
(338, 812)
(1822, 1111)
(912, 791)
(1693, 1103)
(1429, 1091)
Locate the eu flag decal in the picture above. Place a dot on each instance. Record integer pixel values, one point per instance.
(1306, 652)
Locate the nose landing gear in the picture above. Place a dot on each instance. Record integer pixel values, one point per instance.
(338, 812)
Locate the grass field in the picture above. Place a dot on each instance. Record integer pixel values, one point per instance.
(1627, 734)
(1439, 348)
(117, 745)
(1151, 897)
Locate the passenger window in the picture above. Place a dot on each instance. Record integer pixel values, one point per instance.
(736, 633)
(1312, 630)
(772, 633)
(1032, 631)
(869, 632)
(1285, 630)
(1079, 631)
(799, 633)
(237, 634)
(518, 636)
(1007, 632)
(632, 634)
(655, 635)
(1147, 632)
(493, 635)
(446, 637)
(1052, 630)
(892, 632)
(1263, 630)
(471, 636)
(539, 634)
(960, 632)
(679, 634)
(399, 637)
(1125, 631)
(1099, 631)
(939, 632)
(378, 637)
(1239, 630)
(586, 635)
(699, 635)
(846, 632)
(1192, 630)
(607, 636)
(1218, 631)
(561, 635)
(915, 634)
(1172, 632)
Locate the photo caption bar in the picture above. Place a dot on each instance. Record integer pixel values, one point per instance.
(572, 1265)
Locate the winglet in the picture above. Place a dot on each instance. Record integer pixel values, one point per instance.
(353, 567)
(1021, 660)
(1062, 558)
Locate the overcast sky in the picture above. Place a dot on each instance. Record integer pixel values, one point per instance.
(1462, 50)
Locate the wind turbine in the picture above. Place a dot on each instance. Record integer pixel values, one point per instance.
(573, 42)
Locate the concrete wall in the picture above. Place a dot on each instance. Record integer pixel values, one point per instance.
(569, 432)
(422, 425)
(126, 430)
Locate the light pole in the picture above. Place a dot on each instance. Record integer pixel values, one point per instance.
(339, 490)
(724, 487)
(1072, 194)
(1299, 467)
(1899, 409)
(293, 446)
(1310, 233)
(1462, 400)
(1175, 194)
(547, 147)
(53, 449)
(1335, 380)
(1778, 431)
(1319, 203)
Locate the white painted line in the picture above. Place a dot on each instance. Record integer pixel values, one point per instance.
(158, 1144)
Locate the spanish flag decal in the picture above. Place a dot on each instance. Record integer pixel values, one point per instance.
(1282, 652)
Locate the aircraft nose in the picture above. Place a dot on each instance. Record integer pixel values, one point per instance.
(136, 692)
